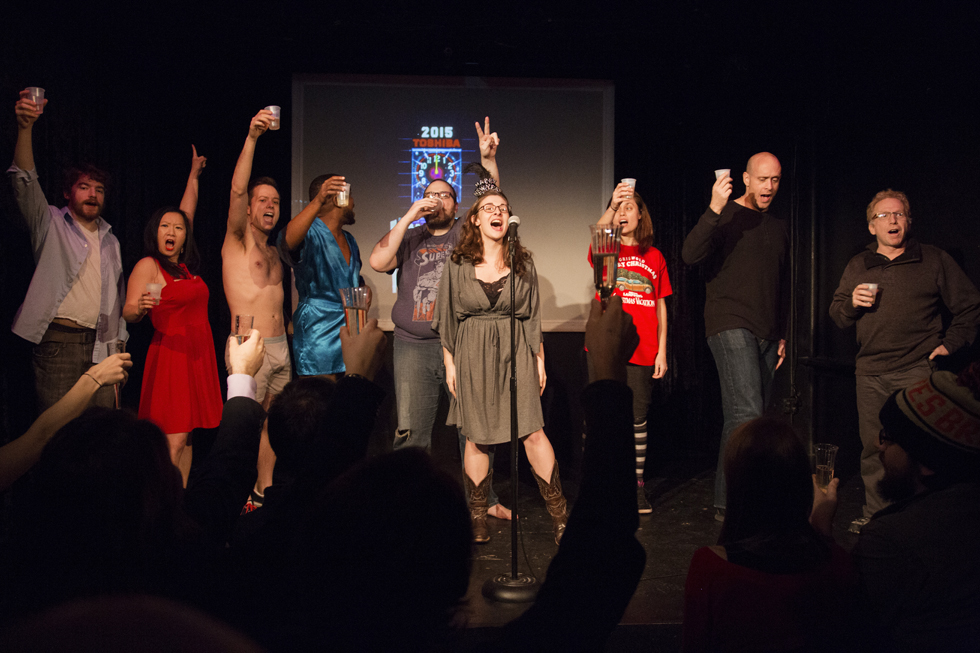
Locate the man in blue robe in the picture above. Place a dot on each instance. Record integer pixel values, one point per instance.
(324, 258)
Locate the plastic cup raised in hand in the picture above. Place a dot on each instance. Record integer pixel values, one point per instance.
(824, 458)
(243, 327)
(343, 197)
(630, 181)
(276, 113)
(155, 290)
(355, 307)
(36, 95)
(722, 172)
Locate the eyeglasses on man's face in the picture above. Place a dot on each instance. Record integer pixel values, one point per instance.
(884, 215)
(442, 195)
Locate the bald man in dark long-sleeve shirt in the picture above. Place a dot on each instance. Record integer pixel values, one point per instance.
(745, 251)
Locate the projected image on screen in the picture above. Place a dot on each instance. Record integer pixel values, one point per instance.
(393, 136)
(436, 159)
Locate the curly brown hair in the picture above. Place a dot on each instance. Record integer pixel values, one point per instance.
(643, 235)
(470, 246)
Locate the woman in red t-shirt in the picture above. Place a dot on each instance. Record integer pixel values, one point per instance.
(642, 283)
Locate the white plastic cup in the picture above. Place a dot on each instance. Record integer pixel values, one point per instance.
(276, 113)
(631, 182)
(36, 95)
(155, 290)
(873, 287)
(722, 172)
(343, 197)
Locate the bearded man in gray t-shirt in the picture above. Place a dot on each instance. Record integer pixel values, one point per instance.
(418, 255)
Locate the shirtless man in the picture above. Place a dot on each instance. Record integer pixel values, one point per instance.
(252, 276)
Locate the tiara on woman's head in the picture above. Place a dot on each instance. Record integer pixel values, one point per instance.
(486, 182)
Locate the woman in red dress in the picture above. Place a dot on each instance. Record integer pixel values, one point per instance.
(180, 379)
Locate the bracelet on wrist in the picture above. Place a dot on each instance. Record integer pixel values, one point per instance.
(93, 378)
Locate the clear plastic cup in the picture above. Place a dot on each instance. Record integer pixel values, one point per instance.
(155, 290)
(276, 113)
(723, 172)
(343, 197)
(243, 327)
(355, 302)
(824, 457)
(36, 95)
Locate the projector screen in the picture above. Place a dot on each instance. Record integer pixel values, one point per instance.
(390, 135)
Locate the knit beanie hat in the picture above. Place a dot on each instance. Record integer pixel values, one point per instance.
(937, 421)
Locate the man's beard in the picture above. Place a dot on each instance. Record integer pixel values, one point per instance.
(348, 216)
(439, 220)
(898, 485)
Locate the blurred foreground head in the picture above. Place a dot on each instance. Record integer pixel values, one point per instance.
(125, 623)
(101, 515)
(770, 491)
(383, 560)
(937, 422)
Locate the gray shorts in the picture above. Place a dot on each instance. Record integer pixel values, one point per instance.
(276, 370)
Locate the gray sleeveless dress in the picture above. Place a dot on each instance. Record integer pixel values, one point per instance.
(478, 337)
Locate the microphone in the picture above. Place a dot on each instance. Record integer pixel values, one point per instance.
(512, 223)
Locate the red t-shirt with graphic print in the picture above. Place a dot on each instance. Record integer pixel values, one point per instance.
(641, 281)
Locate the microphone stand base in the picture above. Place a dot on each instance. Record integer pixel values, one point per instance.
(507, 589)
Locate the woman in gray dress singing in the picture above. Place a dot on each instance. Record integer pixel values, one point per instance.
(473, 322)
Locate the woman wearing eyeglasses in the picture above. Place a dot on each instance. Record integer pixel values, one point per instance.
(473, 322)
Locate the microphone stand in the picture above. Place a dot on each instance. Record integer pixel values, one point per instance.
(514, 587)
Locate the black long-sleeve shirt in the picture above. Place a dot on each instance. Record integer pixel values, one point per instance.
(746, 258)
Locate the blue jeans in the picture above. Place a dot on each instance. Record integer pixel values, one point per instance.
(746, 365)
(420, 376)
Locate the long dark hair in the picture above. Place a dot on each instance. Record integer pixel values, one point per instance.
(770, 494)
(189, 256)
(470, 246)
(644, 230)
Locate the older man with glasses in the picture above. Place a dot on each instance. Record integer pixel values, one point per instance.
(894, 292)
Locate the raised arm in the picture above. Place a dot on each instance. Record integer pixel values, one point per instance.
(188, 203)
(384, 256)
(20, 455)
(27, 112)
(700, 243)
(298, 226)
(238, 205)
(30, 199)
(488, 148)
(620, 194)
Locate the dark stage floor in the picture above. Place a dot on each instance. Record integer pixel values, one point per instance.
(682, 521)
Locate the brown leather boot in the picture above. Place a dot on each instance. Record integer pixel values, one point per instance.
(554, 500)
(478, 506)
